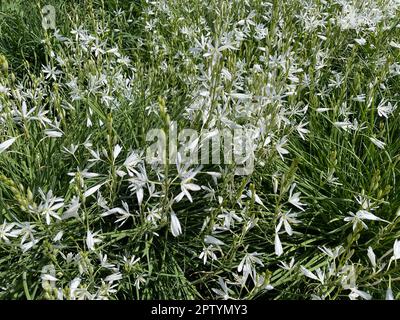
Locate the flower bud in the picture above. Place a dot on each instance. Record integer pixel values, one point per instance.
(3, 64)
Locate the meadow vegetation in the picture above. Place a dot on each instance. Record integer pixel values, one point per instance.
(83, 215)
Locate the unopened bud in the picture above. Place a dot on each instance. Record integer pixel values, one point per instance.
(3, 64)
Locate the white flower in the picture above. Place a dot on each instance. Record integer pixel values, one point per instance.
(286, 218)
(278, 245)
(186, 187)
(6, 232)
(362, 215)
(301, 130)
(59, 36)
(104, 263)
(49, 206)
(71, 150)
(225, 292)
(394, 44)
(53, 133)
(279, 147)
(131, 261)
(355, 293)
(4, 90)
(294, 199)
(287, 266)
(229, 218)
(133, 159)
(51, 72)
(116, 151)
(389, 294)
(97, 48)
(333, 254)
(321, 110)
(241, 96)
(28, 245)
(385, 109)
(250, 194)
(378, 143)
(26, 232)
(396, 250)
(92, 190)
(125, 60)
(6, 144)
(74, 284)
(247, 266)
(73, 208)
(139, 280)
(138, 182)
(345, 125)
(371, 256)
(208, 252)
(175, 225)
(24, 114)
(123, 212)
(58, 236)
(153, 215)
(361, 41)
(320, 275)
(91, 240)
(359, 98)
(48, 277)
(212, 240)
(113, 277)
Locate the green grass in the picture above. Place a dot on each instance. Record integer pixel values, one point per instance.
(125, 68)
